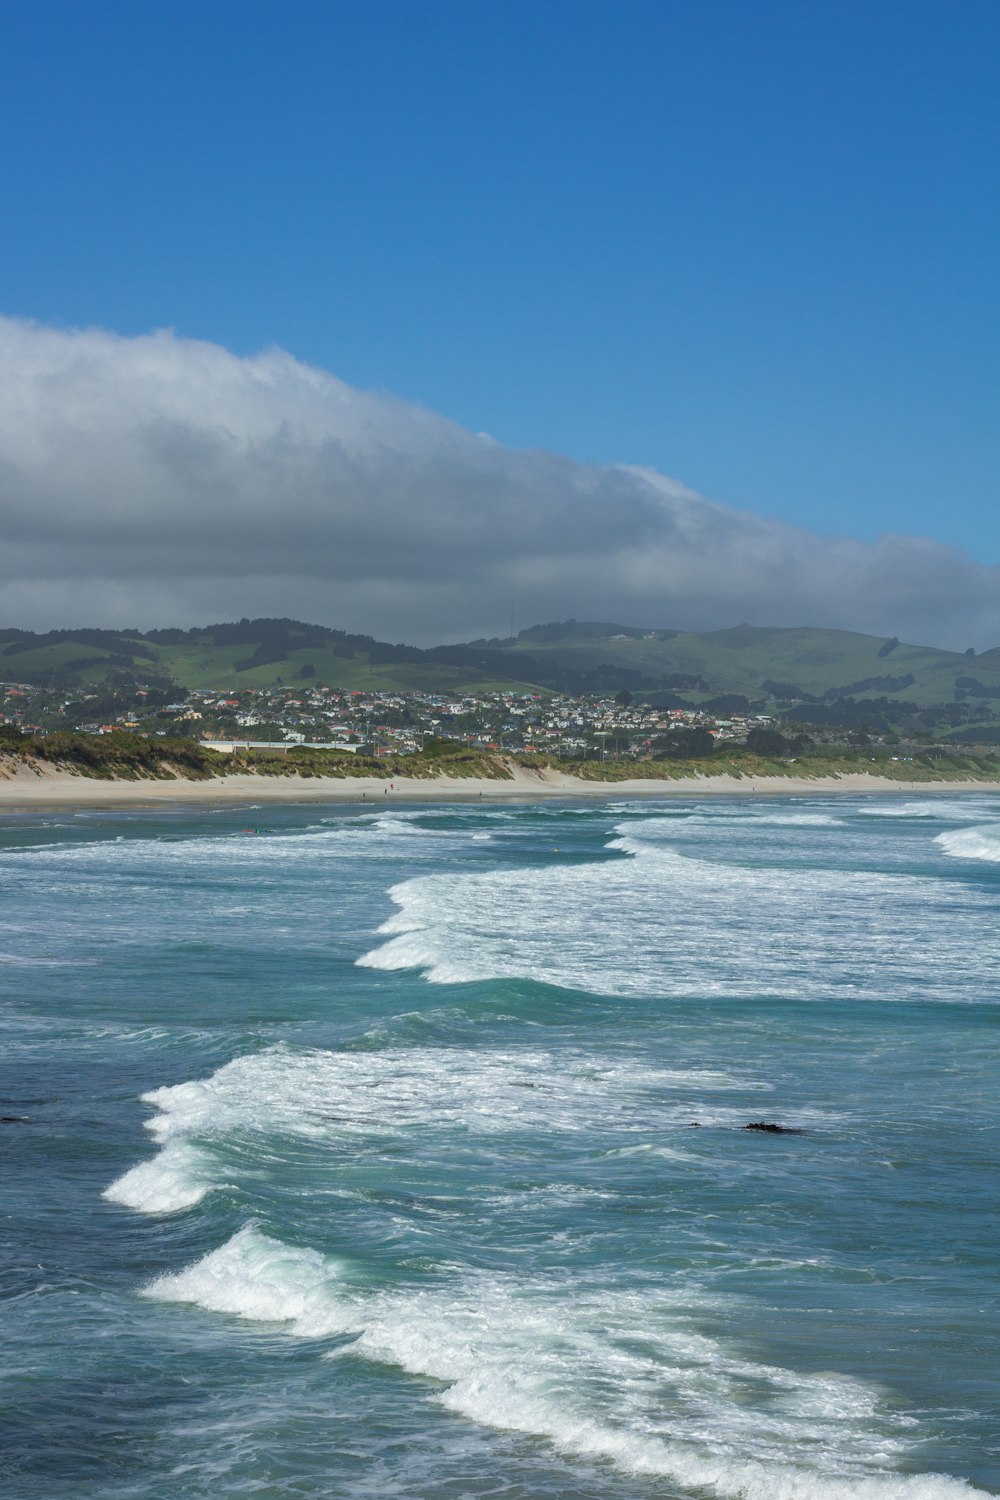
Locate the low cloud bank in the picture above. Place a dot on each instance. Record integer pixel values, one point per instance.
(158, 480)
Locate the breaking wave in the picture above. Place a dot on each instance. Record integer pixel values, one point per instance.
(667, 924)
(347, 1096)
(539, 1356)
(972, 843)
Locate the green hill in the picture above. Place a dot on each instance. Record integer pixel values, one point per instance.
(759, 662)
(247, 653)
(808, 670)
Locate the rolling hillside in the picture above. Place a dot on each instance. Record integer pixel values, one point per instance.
(249, 653)
(774, 664)
(812, 668)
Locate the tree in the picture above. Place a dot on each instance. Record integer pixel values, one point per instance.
(624, 698)
(767, 742)
(684, 744)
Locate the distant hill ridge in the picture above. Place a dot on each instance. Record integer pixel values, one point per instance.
(720, 668)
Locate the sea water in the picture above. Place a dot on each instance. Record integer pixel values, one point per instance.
(375, 1152)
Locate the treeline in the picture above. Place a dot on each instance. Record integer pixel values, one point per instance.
(697, 743)
(786, 690)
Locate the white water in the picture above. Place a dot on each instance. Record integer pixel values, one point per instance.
(539, 1356)
(346, 1096)
(362, 835)
(972, 843)
(513, 1205)
(178, 1177)
(664, 923)
(949, 810)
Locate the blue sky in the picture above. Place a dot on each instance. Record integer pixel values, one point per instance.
(751, 245)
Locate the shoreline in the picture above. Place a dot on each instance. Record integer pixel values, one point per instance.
(38, 790)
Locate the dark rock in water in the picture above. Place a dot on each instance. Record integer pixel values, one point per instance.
(767, 1129)
(14, 1120)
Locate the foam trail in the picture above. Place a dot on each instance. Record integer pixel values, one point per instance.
(552, 1358)
(797, 820)
(345, 838)
(725, 816)
(347, 1095)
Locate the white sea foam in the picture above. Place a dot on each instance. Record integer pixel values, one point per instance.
(22, 961)
(951, 811)
(347, 1095)
(663, 923)
(620, 1375)
(797, 820)
(725, 823)
(972, 843)
(258, 1278)
(758, 817)
(348, 837)
(397, 823)
(176, 1178)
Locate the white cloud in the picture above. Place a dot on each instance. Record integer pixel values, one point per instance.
(158, 480)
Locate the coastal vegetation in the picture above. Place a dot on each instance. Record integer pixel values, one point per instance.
(134, 757)
(110, 757)
(743, 764)
(124, 756)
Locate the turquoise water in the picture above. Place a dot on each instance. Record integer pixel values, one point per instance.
(400, 1153)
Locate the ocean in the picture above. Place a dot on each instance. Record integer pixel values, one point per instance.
(368, 1152)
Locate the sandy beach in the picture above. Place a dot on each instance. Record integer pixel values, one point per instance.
(25, 788)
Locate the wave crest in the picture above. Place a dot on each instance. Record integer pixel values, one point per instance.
(534, 1356)
(972, 843)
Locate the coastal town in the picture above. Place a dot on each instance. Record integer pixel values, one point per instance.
(376, 723)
